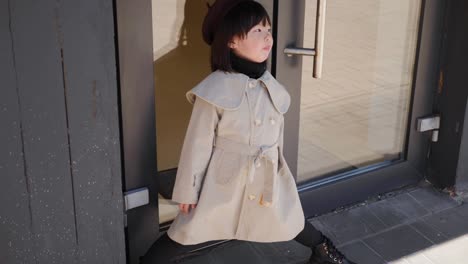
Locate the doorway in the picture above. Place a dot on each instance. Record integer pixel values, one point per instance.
(181, 60)
(349, 135)
(351, 128)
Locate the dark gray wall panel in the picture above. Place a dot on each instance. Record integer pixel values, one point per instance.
(43, 113)
(60, 142)
(91, 93)
(15, 218)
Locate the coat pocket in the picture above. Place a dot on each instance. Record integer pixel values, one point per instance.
(228, 168)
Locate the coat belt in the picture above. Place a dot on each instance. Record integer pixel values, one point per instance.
(255, 153)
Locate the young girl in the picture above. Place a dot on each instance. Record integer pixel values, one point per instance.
(233, 181)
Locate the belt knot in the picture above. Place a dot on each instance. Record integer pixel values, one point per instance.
(256, 154)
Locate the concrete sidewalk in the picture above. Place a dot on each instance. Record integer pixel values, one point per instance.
(414, 225)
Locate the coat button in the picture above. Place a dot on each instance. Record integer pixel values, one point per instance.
(272, 121)
(258, 164)
(258, 122)
(251, 197)
(262, 202)
(252, 84)
(273, 162)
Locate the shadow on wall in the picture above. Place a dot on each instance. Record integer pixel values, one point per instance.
(175, 73)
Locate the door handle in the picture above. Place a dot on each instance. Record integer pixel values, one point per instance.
(319, 40)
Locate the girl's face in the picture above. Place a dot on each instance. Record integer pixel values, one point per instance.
(256, 45)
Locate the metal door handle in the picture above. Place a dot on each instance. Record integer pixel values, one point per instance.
(319, 38)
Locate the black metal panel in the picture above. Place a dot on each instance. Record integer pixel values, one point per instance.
(322, 199)
(451, 97)
(37, 56)
(135, 41)
(15, 218)
(87, 32)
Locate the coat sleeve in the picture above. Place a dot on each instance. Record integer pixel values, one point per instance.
(196, 152)
(282, 164)
(281, 135)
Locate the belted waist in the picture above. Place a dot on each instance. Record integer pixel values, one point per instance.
(242, 148)
(255, 153)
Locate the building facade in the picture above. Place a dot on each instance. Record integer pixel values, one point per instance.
(94, 113)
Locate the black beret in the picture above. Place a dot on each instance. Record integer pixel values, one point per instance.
(215, 15)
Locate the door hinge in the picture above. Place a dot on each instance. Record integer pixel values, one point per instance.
(430, 123)
(135, 198)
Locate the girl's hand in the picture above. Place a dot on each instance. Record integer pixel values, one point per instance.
(184, 208)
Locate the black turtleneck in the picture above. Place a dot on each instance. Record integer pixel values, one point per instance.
(252, 69)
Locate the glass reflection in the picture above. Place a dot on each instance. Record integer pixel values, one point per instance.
(357, 113)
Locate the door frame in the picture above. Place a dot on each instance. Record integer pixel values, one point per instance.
(320, 195)
(134, 52)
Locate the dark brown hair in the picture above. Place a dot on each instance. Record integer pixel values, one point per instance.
(237, 22)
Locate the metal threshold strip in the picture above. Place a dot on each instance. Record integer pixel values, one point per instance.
(345, 175)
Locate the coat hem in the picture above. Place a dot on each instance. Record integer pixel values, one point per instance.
(181, 241)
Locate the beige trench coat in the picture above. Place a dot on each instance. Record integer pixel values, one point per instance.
(232, 164)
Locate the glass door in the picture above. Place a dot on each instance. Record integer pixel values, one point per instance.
(180, 60)
(350, 130)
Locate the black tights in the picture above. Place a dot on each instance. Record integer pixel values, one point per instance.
(309, 236)
(164, 250)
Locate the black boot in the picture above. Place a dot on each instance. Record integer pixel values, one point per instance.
(326, 253)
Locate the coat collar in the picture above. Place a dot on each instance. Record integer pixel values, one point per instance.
(227, 90)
